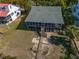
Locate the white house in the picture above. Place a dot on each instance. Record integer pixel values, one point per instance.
(8, 13)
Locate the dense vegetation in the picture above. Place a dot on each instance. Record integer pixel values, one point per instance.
(66, 10)
(28, 3)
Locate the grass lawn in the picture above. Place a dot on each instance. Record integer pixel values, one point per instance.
(16, 42)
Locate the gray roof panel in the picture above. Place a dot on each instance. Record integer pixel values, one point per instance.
(45, 14)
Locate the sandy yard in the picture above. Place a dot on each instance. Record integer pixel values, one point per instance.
(17, 43)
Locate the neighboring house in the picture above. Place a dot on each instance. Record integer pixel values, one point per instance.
(8, 13)
(75, 13)
(47, 17)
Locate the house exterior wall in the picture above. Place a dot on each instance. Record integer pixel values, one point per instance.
(35, 26)
(75, 13)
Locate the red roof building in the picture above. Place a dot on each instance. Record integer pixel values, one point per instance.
(3, 10)
(3, 13)
(3, 4)
(8, 13)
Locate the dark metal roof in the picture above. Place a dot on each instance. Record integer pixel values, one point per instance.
(45, 14)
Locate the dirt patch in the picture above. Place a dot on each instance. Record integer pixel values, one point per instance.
(17, 44)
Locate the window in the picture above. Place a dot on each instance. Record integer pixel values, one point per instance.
(77, 19)
(78, 13)
(12, 14)
(10, 7)
(33, 23)
(48, 24)
(3, 8)
(8, 17)
(39, 24)
(57, 25)
(74, 9)
(15, 11)
(53, 25)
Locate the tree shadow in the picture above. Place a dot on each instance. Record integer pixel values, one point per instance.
(65, 43)
(22, 26)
